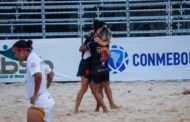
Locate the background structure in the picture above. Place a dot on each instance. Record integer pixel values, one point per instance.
(36, 19)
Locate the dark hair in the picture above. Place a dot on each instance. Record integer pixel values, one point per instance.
(95, 24)
(23, 44)
(101, 24)
(98, 24)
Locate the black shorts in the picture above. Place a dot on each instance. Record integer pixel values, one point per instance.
(99, 77)
(84, 68)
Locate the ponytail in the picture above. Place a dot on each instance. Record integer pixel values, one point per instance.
(29, 44)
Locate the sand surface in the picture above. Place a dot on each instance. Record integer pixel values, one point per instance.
(151, 101)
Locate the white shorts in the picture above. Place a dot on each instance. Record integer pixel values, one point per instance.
(45, 104)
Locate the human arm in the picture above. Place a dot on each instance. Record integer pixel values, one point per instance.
(50, 76)
(103, 44)
(88, 38)
(38, 80)
(83, 48)
(100, 42)
(34, 67)
(90, 33)
(105, 49)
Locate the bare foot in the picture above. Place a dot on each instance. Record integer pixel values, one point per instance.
(105, 111)
(96, 110)
(115, 106)
(75, 111)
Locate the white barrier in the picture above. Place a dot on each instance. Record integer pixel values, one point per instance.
(155, 58)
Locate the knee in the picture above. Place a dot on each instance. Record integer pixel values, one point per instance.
(107, 84)
(95, 91)
(83, 88)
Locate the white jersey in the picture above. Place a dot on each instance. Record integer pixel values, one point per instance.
(36, 65)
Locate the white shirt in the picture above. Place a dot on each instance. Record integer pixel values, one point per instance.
(34, 65)
(87, 54)
(46, 68)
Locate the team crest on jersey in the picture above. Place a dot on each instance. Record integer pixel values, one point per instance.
(33, 65)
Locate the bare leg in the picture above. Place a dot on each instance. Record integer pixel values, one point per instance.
(108, 92)
(97, 104)
(33, 115)
(98, 96)
(101, 92)
(83, 89)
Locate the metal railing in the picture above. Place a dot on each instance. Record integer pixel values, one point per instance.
(126, 18)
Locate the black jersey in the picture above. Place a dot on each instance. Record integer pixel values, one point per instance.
(85, 64)
(87, 40)
(99, 63)
(96, 56)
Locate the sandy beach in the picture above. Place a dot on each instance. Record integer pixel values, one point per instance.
(150, 101)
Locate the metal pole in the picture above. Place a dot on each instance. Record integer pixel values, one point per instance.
(12, 27)
(127, 18)
(81, 22)
(169, 18)
(43, 19)
(180, 17)
(98, 11)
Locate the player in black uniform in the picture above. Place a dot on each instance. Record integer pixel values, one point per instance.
(104, 40)
(99, 67)
(100, 70)
(85, 66)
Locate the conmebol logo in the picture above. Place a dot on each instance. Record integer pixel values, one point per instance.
(118, 59)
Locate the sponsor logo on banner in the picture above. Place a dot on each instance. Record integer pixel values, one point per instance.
(10, 67)
(118, 59)
(161, 59)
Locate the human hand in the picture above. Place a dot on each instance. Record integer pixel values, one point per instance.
(33, 99)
